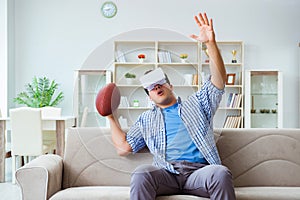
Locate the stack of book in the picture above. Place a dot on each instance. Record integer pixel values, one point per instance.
(124, 102)
(232, 121)
(234, 100)
(164, 57)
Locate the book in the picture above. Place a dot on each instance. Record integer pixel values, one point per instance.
(232, 121)
(164, 57)
(229, 100)
(195, 79)
(232, 100)
(124, 102)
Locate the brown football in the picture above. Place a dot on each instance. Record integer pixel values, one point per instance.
(108, 99)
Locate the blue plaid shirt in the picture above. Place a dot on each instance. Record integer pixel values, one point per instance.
(196, 113)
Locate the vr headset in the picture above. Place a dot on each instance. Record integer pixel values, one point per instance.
(153, 78)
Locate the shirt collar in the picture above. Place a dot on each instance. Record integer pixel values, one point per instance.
(155, 107)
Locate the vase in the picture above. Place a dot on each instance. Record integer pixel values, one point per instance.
(183, 60)
(130, 81)
(141, 60)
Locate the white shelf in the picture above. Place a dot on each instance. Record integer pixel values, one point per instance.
(134, 108)
(165, 54)
(178, 64)
(228, 108)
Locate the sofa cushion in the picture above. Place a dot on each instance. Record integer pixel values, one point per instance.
(261, 157)
(109, 193)
(91, 160)
(180, 197)
(105, 193)
(268, 193)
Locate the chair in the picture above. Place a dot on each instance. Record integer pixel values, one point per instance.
(49, 133)
(50, 112)
(27, 135)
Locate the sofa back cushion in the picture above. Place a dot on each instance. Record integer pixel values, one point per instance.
(256, 157)
(90, 159)
(261, 157)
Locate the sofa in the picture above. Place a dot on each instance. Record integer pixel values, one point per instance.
(265, 164)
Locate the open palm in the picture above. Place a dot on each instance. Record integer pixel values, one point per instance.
(206, 33)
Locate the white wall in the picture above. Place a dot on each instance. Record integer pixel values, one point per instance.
(55, 37)
(3, 57)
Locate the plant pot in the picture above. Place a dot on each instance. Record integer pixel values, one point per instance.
(141, 60)
(183, 60)
(130, 81)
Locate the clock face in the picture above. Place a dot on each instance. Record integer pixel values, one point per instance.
(109, 9)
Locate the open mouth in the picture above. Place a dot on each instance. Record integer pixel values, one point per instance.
(160, 92)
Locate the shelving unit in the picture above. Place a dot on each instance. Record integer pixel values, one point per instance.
(263, 102)
(164, 54)
(87, 85)
(186, 76)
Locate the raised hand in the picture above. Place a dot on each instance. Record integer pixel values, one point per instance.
(206, 33)
(207, 36)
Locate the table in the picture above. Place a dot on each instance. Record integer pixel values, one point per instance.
(58, 124)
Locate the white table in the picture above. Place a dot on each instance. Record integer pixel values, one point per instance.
(59, 124)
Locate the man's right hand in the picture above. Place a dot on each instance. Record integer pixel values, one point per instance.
(119, 137)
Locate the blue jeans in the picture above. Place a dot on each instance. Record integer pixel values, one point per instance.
(211, 181)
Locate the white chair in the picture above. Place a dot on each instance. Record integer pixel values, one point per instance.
(49, 133)
(27, 135)
(50, 112)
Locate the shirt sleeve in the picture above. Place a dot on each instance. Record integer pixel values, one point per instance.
(134, 137)
(210, 97)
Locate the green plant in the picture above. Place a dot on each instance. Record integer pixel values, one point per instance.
(183, 56)
(40, 94)
(129, 75)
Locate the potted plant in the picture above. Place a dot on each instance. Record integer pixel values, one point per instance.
(183, 57)
(40, 93)
(130, 77)
(141, 57)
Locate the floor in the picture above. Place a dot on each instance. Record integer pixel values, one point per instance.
(9, 191)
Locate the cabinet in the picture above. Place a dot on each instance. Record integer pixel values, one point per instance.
(186, 75)
(231, 110)
(87, 85)
(263, 108)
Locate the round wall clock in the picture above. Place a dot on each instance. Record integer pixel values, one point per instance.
(109, 9)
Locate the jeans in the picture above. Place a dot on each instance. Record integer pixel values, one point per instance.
(210, 181)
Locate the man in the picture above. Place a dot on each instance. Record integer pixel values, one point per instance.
(179, 134)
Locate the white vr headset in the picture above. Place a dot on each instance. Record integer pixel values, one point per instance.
(153, 78)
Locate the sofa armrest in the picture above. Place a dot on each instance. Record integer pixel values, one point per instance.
(41, 177)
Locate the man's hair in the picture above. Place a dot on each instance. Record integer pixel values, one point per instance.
(166, 77)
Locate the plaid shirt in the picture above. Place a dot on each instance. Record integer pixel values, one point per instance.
(196, 113)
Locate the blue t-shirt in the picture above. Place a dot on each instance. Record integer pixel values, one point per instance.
(179, 145)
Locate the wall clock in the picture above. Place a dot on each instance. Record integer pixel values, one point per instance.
(109, 9)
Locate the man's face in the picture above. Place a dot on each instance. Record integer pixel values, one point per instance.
(162, 95)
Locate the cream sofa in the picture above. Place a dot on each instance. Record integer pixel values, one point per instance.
(265, 164)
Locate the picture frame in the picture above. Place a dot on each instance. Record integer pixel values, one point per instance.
(230, 79)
